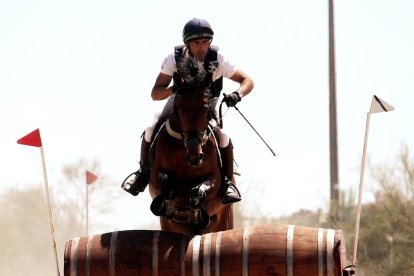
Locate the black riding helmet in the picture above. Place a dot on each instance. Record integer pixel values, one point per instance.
(197, 28)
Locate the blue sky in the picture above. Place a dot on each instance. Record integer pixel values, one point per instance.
(82, 72)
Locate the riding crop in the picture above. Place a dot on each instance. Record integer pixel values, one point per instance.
(255, 130)
(220, 122)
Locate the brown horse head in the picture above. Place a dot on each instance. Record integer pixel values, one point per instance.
(192, 107)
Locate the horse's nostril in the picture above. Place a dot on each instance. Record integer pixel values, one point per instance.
(194, 160)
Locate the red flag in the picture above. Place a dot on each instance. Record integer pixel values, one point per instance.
(90, 177)
(32, 139)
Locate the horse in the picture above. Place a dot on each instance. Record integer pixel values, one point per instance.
(185, 175)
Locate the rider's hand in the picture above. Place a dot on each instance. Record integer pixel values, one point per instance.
(232, 99)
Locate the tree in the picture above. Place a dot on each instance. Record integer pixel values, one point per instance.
(387, 225)
(26, 239)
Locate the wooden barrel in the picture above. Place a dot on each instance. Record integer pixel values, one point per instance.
(255, 250)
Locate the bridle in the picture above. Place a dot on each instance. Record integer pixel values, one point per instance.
(198, 137)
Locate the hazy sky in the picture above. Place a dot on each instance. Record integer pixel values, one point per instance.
(82, 72)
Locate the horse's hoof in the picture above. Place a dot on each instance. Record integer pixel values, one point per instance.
(202, 219)
(158, 207)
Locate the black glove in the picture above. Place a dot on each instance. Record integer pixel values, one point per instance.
(232, 99)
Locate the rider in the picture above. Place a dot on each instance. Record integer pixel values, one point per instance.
(197, 37)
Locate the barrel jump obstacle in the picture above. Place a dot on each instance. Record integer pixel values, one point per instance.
(255, 250)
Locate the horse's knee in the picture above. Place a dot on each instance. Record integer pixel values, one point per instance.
(197, 197)
(166, 185)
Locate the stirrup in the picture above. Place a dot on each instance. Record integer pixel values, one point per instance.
(233, 196)
(136, 182)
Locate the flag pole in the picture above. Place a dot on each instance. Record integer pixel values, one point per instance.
(52, 228)
(33, 139)
(90, 178)
(377, 105)
(361, 184)
(87, 209)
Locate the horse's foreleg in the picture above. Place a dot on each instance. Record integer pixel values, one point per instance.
(164, 204)
(198, 194)
(162, 207)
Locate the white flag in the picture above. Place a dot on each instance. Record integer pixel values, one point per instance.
(379, 105)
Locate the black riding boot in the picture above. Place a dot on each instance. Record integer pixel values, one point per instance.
(137, 181)
(229, 192)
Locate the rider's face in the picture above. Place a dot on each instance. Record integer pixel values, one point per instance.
(199, 47)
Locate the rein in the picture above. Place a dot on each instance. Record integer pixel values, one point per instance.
(172, 132)
(202, 135)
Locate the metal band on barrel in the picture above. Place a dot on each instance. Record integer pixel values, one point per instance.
(320, 252)
(330, 240)
(155, 244)
(196, 255)
(207, 254)
(289, 249)
(217, 255)
(88, 256)
(112, 252)
(74, 257)
(245, 252)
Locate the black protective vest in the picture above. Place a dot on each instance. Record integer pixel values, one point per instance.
(210, 64)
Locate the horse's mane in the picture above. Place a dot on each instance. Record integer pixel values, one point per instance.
(192, 72)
